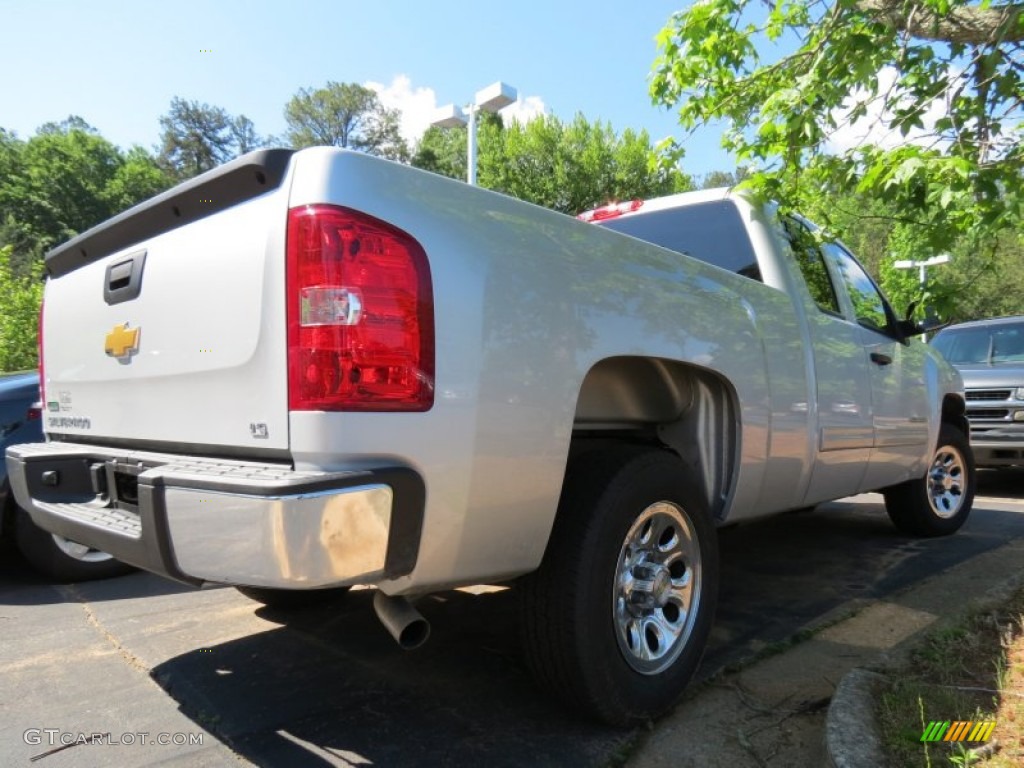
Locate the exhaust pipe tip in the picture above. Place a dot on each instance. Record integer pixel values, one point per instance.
(401, 620)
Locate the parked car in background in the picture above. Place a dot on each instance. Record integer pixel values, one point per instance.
(990, 357)
(54, 556)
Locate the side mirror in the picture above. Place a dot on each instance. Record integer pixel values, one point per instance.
(910, 328)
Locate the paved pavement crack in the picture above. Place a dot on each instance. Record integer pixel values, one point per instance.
(162, 682)
(71, 591)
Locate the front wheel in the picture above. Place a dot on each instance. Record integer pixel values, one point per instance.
(939, 503)
(616, 618)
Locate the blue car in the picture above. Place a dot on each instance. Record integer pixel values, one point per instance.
(54, 556)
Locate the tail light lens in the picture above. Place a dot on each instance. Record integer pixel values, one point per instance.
(360, 314)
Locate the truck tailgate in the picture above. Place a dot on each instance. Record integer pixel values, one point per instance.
(198, 356)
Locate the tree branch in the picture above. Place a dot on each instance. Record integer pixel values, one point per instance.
(970, 25)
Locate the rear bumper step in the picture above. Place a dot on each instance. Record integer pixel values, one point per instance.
(202, 520)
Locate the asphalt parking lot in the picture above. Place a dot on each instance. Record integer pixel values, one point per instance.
(138, 655)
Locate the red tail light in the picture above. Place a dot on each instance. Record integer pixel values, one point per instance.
(360, 314)
(42, 370)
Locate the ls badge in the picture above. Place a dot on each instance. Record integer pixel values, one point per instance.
(122, 342)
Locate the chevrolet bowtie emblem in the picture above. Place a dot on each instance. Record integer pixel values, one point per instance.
(122, 342)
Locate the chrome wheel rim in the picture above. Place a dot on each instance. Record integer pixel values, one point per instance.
(657, 588)
(78, 551)
(947, 480)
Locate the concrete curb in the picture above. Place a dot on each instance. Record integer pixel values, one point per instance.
(852, 739)
(852, 736)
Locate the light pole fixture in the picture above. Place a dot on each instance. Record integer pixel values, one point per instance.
(494, 97)
(942, 258)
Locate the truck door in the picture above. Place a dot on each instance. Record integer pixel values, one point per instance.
(840, 414)
(899, 395)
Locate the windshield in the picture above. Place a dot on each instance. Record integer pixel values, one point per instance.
(989, 345)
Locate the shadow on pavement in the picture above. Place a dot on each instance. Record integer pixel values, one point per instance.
(330, 687)
(1005, 483)
(19, 585)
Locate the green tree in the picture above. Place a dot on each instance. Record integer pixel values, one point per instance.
(443, 151)
(941, 77)
(344, 115)
(12, 163)
(63, 180)
(569, 167)
(58, 188)
(982, 280)
(137, 178)
(717, 179)
(195, 138)
(243, 133)
(20, 296)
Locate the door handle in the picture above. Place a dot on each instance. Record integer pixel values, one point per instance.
(880, 359)
(123, 279)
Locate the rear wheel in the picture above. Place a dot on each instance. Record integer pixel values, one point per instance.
(939, 503)
(61, 559)
(616, 618)
(291, 599)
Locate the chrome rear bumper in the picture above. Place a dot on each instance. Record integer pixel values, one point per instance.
(201, 520)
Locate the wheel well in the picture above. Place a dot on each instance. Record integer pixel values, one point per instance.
(954, 411)
(685, 408)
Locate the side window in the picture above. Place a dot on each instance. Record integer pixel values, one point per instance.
(812, 266)
(868, 304)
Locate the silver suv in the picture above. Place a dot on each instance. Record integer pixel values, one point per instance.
(990, 356)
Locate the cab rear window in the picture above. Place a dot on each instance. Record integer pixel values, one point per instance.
(712, 232)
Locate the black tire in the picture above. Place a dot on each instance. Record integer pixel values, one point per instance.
(939, 503)
(577, 612)
(46, 556)
(291, 599)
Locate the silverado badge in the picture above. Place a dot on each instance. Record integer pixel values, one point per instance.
(122, 342)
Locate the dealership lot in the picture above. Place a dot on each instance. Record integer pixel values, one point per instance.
(160, 668)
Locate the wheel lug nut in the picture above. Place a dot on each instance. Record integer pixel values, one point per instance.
(644, 572)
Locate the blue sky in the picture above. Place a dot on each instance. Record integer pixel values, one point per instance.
(118, 64)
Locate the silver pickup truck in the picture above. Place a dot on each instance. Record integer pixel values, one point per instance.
(311, 370)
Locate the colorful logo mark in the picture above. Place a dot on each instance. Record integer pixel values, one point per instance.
(958, 730)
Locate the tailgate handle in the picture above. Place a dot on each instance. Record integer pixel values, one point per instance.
(123, 279)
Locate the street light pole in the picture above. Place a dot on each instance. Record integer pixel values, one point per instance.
(471, 148)
(494, 97)
(922, 267)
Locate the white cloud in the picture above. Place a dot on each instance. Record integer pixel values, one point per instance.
(873, 127)
(418, 106)
(524, 110)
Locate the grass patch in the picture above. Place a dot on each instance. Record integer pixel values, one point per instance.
(973, 671)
